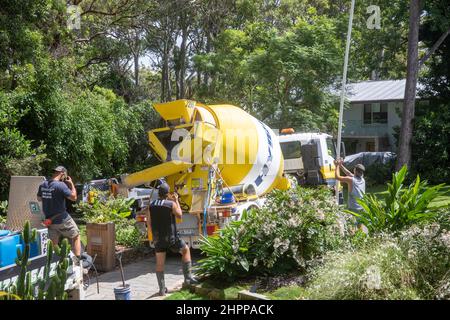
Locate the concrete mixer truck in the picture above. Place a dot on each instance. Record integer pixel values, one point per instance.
(218, 158)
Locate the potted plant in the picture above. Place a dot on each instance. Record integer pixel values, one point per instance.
(101, 218)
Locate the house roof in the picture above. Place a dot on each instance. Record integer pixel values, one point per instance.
(384, 90)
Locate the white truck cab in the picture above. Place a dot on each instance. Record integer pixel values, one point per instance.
(309, 156)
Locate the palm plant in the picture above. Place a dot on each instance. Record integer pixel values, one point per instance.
(403, 206)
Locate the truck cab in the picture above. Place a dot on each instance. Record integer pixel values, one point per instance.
(309, 157)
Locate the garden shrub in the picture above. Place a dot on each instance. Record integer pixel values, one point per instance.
(117, 210)
(412, 264)
(428, 251)
(294, 228)
(402, 206)
(377, 270)
(379, 173)
(105, 209)
(128, 235)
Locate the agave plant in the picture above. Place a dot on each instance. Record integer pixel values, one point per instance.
(403, 206)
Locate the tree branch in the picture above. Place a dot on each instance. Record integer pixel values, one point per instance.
(433, 48)
(91, 38)
(105, 13)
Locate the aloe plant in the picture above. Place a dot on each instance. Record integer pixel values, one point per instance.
(403, 206)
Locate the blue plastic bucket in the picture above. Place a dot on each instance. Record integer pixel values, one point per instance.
(123, 293)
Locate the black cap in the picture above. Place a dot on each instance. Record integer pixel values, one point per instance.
(163, 189)
(60, 169)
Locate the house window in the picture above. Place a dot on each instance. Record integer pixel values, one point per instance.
(375, 113)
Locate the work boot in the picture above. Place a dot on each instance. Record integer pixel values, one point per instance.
(161, 283)
(188, 278)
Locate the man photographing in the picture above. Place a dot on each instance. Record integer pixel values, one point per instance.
(53, 194)
(161, 220)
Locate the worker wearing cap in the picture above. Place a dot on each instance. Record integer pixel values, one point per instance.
(162, 222)
(355, 182)
(53, 194)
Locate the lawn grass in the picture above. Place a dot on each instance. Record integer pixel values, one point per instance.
(229, 291)
(184, 295)
(286, 293)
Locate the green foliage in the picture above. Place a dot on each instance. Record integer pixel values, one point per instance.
(412, 264)
(377, 173)
(287, 293)
(23, 287)
(106, 209)
(293, 229)
(3, 207)
(377, 270)
(228, 254)
(430, 143)
(109, 209)
(402, 206)
(127, 234)
(17, 156)
(278, 75)
(3, 212)
(184, 295)
(430, 149)
(57, 282)
(428, 251)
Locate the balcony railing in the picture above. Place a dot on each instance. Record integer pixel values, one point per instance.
(358, 128)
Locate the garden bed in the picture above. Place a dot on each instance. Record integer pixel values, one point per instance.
(278, 287)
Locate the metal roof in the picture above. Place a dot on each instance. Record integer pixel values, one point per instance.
(384, 90)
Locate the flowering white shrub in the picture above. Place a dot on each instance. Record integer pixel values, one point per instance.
(377, 270)
(413, 264)
(428, 249)
(294, 228)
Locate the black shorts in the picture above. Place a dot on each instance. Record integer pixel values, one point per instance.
(175, 246)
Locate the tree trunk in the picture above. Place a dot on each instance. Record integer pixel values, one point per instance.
(207, 51)
(404, 148)
(163, 72)
(136, 59)
(182, 61)
(136, 69)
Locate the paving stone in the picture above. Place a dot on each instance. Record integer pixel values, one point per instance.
(141, 277)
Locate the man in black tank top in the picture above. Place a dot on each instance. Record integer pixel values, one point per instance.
(165, 236)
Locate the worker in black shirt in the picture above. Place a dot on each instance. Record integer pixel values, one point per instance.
(165, 236)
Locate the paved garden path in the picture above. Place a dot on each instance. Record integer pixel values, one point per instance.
(141, 278)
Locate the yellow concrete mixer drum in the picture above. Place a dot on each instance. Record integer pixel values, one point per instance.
(199, 139)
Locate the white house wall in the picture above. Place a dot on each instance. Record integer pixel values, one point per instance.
(355, 128)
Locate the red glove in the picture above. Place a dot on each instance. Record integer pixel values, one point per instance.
(47, 222)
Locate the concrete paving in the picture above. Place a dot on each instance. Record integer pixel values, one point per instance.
(141, 277)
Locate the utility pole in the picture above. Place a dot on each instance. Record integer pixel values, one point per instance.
(344, 82)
